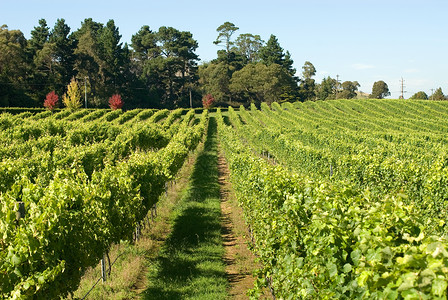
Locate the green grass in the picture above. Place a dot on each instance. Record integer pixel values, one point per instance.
(190, 265)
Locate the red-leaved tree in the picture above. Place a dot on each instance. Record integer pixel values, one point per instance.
(115, 102)
(51, 101)
(208, 101)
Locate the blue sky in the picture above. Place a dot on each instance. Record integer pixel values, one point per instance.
(362, 40)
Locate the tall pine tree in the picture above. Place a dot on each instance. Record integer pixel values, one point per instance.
(272, 53)
(63, 47)
(39, 36)
(39, 61)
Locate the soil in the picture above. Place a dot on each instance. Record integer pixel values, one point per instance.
(240, 261)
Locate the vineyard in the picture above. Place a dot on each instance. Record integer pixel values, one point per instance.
(344, 199)
(74, 183)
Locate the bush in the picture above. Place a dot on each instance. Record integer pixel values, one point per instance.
(51, 101)
(72, 99)
(208, 101)
(115, 102)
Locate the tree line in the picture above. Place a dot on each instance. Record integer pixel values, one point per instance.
(158, 69)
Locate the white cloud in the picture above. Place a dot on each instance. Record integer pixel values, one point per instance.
(362, 66)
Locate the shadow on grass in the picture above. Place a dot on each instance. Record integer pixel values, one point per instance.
(190, 264)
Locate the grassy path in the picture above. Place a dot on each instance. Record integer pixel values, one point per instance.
(190, 264)
(195, 249)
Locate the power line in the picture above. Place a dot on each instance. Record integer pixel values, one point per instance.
(402, 88)
(25, 84)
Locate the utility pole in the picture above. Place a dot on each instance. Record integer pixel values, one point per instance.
(432, 94)
(337, 87)
(85, 90)
(191, 98)
(402, 88)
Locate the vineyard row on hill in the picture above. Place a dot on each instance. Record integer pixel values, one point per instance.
(352, 200)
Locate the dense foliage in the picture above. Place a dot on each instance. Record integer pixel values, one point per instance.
(344, 199)
(158, 69)
(85, 179)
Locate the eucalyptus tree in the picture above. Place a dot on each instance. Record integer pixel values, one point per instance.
(349, 89)
(380, 90)
(258, 83)
(249, 45)
(13, 68)
(214, 79)
(421, 95)
(438, 95)
(326, 89)
(225, 32)
(307, 87)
